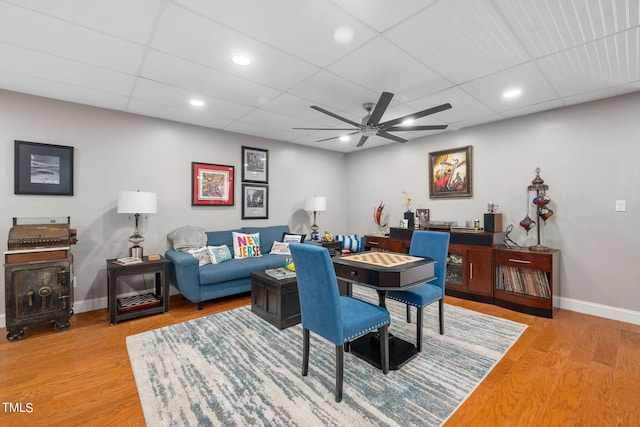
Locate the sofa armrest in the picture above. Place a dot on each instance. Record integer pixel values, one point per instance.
(184, 273)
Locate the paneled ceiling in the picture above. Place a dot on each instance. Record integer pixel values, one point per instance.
(152, 57)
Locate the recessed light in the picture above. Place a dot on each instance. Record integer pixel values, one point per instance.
(197, 103)
(345, 138)
(343, 35)
(512, 93)
(407, 122)
(241, 60)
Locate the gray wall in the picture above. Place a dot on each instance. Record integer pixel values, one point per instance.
(117, 151)
(587, 155)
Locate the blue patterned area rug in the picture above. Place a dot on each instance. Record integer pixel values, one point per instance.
(235, 369)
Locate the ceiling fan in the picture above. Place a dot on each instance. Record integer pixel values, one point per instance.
(371, 125)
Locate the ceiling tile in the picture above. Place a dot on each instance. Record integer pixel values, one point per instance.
(42, 33)
(383, 14)
(54, 68)
(212, 44)
(62, 91)
(206, 81)
(159, 93)
(381, 67)
(126, 19)
(535, 88)
(200, 118)
(304, 29)
(462, 40)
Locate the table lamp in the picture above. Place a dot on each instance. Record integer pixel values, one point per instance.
(137, 202)
(315, 204)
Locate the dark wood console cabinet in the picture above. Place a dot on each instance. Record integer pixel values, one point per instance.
(527, 281)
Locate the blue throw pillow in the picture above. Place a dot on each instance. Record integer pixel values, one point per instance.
(350, 242)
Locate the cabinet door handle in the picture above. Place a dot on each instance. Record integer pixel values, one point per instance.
(471, 271)
(521, 261)
(373, 243)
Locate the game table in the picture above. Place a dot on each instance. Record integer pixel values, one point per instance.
(384, 271)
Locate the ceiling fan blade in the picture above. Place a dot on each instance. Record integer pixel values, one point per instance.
(405, 128)
(417, 115)
(336, 137)
(380, 108)
(334, 115)
(326, 129)
(391, 137)
(362, 141)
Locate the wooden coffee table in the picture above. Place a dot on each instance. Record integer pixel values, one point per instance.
(275, 300)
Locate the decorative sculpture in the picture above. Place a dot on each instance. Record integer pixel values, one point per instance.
(379, 217)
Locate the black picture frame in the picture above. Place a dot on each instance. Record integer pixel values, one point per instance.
(255, 201)
(255, 165)
(43, 169)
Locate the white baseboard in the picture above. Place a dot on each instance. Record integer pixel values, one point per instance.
(600, 310)
(594, 309)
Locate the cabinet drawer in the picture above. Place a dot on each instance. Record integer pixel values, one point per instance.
(378, 242)
(537, 261)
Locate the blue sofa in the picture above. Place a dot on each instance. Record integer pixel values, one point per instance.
(201, 283)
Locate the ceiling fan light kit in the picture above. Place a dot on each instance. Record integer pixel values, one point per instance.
(371, 126)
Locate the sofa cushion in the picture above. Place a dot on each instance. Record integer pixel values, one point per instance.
(280, 248)
(219, 254)
(217, 238)
(231, 270)
(246, 245)
(268, 235)
(201, 254)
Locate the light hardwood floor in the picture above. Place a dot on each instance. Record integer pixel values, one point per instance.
(573, 370)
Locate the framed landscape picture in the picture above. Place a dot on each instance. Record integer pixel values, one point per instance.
(211, 184)
(255, 165)
(255, 201)
(450, 173)
(43, 169)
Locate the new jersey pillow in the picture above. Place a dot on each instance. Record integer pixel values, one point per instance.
(246, 245)
(219, 254)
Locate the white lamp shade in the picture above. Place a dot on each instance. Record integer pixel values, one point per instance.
(137, 202)
(315, 204)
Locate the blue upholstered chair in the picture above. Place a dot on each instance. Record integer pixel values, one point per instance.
(338, 319)
(435, 245)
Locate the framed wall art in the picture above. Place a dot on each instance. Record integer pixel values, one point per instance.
(43, 169)
(255, 201)
(211, 184)
(450, 173)
(255, 165)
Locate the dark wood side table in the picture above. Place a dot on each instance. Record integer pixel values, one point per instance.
(275, 300)
(132, 307)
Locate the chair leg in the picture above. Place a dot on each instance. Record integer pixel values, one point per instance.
(441, 306)
(384, 348)
(408, 313)
(305, 351)
(339, 371)
(419, 329)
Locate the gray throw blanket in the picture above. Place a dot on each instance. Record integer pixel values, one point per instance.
(187, 237)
